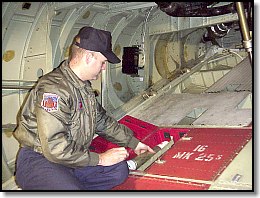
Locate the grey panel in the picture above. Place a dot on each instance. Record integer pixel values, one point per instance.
(238, 79)
(220, 109)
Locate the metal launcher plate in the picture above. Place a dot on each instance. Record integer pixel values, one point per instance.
(194, 162)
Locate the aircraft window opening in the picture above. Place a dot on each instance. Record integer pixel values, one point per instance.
(26, 6)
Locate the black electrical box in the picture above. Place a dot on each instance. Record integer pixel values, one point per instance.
(130, 60)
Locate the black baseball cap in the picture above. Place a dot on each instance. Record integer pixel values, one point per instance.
(97, 40)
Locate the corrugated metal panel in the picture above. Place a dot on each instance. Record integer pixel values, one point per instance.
(238, 79)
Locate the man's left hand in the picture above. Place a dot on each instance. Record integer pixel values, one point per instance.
(141, 148)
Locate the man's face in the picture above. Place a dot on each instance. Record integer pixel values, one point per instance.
(97, 64)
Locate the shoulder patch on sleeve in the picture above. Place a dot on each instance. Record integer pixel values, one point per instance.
(50, 102)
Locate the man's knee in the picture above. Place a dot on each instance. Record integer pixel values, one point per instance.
(122, 172)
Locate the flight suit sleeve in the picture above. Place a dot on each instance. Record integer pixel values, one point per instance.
(53, 112)
(113, 131)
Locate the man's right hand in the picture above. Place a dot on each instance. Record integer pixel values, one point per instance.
(113, 156)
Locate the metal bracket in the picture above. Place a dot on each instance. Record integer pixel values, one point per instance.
(156, 156)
